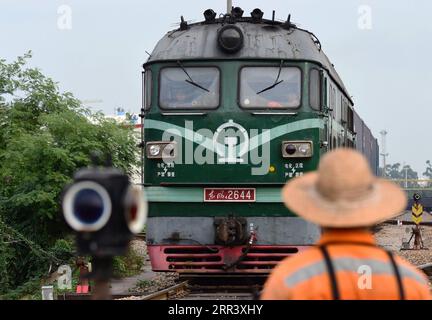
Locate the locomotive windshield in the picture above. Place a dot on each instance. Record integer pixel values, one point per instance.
(270, 87)
(189, 88)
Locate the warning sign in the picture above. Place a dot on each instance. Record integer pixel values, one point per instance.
(417, 213)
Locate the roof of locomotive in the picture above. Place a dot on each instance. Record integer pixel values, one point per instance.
(266, 39)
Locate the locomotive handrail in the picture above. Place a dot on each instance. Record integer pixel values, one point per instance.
(184, 113)
(275, 113)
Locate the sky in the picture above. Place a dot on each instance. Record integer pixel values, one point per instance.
(380, 48)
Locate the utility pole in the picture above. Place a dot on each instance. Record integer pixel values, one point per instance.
(405, 168)
(384, 153)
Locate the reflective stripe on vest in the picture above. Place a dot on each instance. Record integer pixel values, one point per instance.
(349, 264)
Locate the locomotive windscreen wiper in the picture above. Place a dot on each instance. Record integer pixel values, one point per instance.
(190, 78)
(277, 82)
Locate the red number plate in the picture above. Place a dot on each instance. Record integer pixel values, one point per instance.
(229, 195)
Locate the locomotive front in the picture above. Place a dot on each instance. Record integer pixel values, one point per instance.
(234, 107)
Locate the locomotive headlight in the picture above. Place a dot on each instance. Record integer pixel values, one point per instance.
(304, 149)
(161, 150)
(290, 149)
(230, 38)
(297, 149)
(154, 150)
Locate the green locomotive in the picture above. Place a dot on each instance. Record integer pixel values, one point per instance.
(234, 106)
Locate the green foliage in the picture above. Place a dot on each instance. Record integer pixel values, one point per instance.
(142, 285)
(129, 265)
(45, 136)
(6, 256)
(63, 250)
(29, 290)
(428, 171)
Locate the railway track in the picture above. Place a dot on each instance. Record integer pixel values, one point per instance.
(213, 291)
(185, 290)
(169, 293)
(164, 294)
(190, 290)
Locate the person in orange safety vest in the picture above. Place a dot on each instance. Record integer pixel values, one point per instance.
(345, 199)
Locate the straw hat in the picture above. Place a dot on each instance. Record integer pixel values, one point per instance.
(343, 193)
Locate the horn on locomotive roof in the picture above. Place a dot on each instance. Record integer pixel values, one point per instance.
(237, 12)
(257, 15)
(209, 15)
(183, 24)
(287, 24)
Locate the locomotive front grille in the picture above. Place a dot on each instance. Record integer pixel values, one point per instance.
(219, 259)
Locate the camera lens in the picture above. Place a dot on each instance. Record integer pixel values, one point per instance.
(88, 206)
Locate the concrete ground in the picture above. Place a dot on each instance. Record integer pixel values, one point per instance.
(127, 285)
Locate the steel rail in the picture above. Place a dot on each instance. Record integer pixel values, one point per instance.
(165, 294)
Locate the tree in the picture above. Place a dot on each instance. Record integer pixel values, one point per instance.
(45, 136)
(397, 172)
(394, 171)
(428, 172)
(409, 174)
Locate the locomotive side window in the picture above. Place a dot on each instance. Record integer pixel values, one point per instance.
(350, 119)
(343, 112)
(315, 89)
(147, 88)
(270, 87)
(189, 88)
(333, 101)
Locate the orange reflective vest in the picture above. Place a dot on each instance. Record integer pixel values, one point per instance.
(346, 264)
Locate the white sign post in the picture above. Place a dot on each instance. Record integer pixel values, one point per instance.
(47, 293)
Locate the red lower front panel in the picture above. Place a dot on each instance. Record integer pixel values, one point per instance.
(218, 259)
